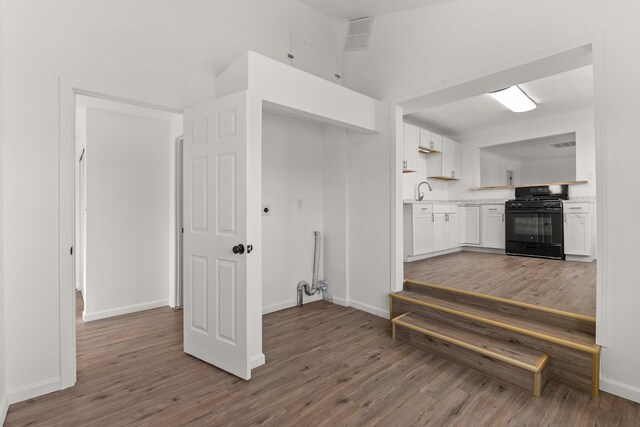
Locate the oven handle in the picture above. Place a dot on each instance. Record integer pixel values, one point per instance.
(534, 211)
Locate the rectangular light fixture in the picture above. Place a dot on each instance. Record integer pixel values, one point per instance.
(514, 99)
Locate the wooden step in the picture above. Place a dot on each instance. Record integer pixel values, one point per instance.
(547, 315)
(508, 362)
(574, 355)
(567, 337)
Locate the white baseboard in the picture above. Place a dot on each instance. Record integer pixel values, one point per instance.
(483, 250)
(279, 306)
(620, 389)
(432, 254)
(289, 303)
(340, 301)
(369, 308)
(4, 407)
(96, 315)
(257, 360)
(33, 390)
(579, 258)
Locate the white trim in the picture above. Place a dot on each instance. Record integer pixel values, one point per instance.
(620, 389)
(97, 315)
(597, 44)
(579, 258)
(369, 308)
(257, 360)
(4, 408)
(340, 301)
(288, 304)
(433, 254)
(68, 89)
(33, 390)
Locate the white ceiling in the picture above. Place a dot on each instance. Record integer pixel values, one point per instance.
(562, 92)
(534, 149)
(344, 10)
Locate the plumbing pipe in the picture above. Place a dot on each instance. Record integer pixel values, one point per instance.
(316, 285)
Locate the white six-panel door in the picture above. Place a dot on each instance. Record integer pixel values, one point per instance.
(215, 225)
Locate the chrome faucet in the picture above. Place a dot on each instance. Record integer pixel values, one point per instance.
(420, 195)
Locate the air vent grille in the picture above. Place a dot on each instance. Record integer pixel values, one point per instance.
(564, 144)
(358, 34)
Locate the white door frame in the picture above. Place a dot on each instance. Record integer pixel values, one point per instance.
(597, 44)
(69, 88)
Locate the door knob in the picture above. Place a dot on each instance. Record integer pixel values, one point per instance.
(238, 249)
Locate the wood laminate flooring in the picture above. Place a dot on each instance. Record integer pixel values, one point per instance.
(564, 285)
(326, 365)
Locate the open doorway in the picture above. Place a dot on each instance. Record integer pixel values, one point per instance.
(497, 207)
(127, 208)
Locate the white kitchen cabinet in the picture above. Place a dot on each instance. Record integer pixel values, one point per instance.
(430, 140)
(452, 232)
(469, 225)
(577, 229)
(493, 227)
(446, 165)
(439, 232)
(418, 229)
(411, 142)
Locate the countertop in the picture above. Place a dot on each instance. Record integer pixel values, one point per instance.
(473, 202)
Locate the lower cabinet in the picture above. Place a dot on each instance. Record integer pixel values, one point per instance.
(430, 228)
(469, 225)
(493, 227)
(577, 229)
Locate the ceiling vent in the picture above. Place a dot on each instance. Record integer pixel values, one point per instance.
(564, 144)
(358, 34)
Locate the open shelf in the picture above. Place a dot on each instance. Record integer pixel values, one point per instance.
(510, 187)
(427, 150)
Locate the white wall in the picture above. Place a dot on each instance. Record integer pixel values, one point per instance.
(417, 49)
(493, 169)
(411, 180)
(540, 171)
(184, 44)
(3, 321)
(127, 213)
(579, 121)
(292, 172)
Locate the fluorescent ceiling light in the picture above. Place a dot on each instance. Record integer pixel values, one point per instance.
(514, 99)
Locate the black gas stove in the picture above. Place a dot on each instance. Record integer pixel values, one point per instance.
(534, 222)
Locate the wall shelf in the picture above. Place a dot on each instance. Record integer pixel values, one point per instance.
(427, 150)
(444, 178)
(511, 187)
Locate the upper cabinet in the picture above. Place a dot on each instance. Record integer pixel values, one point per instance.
(446, 165)
(411, 143)
(430, 141)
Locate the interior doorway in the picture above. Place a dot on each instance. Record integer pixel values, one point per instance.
(127, 207)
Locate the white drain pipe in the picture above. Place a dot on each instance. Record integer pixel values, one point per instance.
(316, 285)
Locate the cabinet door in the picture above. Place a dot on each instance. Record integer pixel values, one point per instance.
(439, 232)
(577, 236)
(493, 230)
(452, 230)
(411, 141)
(472, 225)
(457, 160)
(447, 157)
(422, 234)
(430, 140)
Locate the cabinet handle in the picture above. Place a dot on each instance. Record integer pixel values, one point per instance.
(493, 209)
(453, 174)
(431, 144)
(404, 164)
(576, 207)
(446, 217)
(433, 218)
(502, 217)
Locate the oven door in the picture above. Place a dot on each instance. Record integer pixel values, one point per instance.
(534, 226)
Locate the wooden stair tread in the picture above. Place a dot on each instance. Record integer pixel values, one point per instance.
(574, 339)
(505, 351)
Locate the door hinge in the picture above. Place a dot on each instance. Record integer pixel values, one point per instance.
(71, 250)
(182, 230)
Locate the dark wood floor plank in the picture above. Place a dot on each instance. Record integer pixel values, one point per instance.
(564, 285)
(326, 365)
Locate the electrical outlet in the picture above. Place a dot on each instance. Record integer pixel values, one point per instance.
(266, 210)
